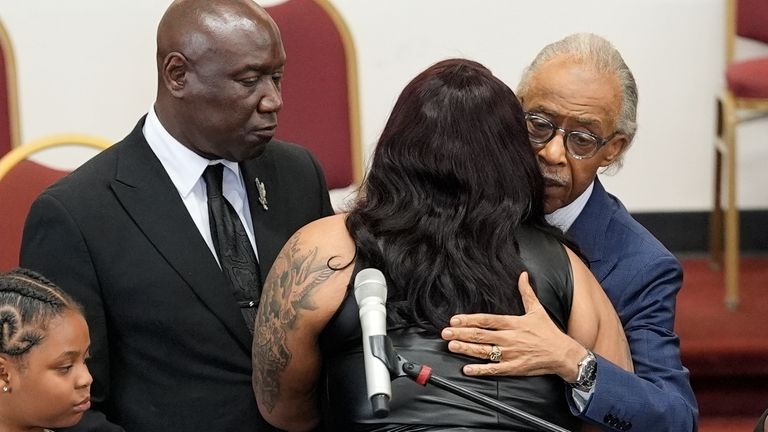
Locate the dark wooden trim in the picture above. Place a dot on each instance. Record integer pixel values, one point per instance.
(688, 232)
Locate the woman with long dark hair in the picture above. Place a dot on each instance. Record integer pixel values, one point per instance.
(451, 212)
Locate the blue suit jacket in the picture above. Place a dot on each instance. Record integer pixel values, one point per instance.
(641, 278)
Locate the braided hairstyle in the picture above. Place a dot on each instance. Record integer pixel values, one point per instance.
(28, 302)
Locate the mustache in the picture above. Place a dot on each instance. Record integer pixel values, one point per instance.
(554, 178)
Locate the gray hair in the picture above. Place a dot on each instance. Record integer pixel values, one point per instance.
(597, 52)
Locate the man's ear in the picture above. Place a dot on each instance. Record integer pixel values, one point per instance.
(613, 149)
(174, 73)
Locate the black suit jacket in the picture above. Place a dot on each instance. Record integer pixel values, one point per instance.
(170, 350)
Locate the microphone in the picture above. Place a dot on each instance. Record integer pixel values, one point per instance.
(371, 295)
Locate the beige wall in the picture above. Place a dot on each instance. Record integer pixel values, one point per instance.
(88, 66)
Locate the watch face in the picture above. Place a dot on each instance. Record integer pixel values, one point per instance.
(587, 373)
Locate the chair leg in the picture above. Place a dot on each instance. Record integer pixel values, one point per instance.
(716, 215)
(731, 262)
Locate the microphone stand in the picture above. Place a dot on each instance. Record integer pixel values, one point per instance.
(382, 349)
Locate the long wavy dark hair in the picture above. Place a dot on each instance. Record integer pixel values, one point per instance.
(452, 178)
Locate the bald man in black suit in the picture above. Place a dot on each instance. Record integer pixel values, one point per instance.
(128, 234)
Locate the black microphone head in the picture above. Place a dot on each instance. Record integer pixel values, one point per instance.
(370, 282)
(380, 405)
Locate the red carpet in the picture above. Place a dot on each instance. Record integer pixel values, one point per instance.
(726, 351)
(727, 424)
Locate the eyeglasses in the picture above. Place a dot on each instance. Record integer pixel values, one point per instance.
(580, 145)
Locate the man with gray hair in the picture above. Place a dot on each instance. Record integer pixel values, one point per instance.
(580, 100)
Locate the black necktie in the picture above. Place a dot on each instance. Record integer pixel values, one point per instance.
(236, 256)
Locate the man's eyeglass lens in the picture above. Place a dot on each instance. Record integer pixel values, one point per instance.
(580, 145)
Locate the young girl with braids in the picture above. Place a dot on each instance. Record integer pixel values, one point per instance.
(44, 382)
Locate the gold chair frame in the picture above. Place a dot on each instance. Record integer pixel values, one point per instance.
(23, 152)
(12, 224)
(13, 99)
(353, 96)
(731, 111)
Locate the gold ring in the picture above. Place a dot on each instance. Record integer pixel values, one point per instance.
(495, 354)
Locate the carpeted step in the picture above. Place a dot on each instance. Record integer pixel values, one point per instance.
(728, 424)
(726, 351)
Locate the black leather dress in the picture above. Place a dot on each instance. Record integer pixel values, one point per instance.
(414, 407)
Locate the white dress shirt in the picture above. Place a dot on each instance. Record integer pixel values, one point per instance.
(564, 217)
(185, 168)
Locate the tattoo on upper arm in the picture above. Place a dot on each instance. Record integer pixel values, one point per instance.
(287, 291)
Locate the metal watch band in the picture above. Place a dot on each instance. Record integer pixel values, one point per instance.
(585, 379)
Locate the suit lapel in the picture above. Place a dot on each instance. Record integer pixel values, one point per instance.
(269, 238)
(150, 198)
(590, 228)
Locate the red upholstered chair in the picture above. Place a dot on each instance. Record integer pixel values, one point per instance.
(9, 114)
(21, 181)
(320, 105)
(745, 95)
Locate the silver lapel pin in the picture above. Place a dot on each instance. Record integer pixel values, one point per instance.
(262, 193)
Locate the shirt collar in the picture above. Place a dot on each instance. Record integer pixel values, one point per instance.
(564, 217)
(183, 166)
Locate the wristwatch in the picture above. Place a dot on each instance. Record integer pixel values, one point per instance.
(585, 379)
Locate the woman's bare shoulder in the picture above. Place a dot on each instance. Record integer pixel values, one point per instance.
(324, 241)
(327, 237)
(330, 228)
